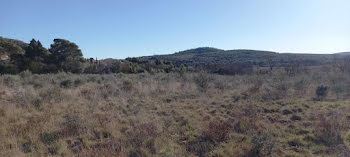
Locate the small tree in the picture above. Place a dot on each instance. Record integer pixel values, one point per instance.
(321, 92)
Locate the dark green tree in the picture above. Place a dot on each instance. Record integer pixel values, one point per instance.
(36, 51)
(36, 57)
(67, 56)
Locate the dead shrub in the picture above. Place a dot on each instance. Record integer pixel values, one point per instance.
(72, 125)
(247, 122)
(127, 85)
(217, 131)
(202, 81)
(141, 133)
(328, 129)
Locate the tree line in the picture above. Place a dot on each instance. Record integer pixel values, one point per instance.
(62, 55)
(66, 56)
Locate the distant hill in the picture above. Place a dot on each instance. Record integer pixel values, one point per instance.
(214, 56)
(205, 56)
(344, 53)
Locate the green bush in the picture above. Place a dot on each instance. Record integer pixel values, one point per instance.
(49, 138)
(321, 92)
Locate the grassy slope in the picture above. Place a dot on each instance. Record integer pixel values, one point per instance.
(173, 115)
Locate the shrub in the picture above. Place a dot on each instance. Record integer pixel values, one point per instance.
(217, 131)
(200, 146)
(127, 85)
(150, 145)
(220, 85)
(328, 129)
(321, 92)
(262, 145)
(300, 85)
(37, 103)
(11, 80)
(49, 138)
(25, 74)
(51, 94)
(78, 82)
(295, 142)
(66, 84)
(27, 146)
(141, 133)
(72, 124)
(202, 81)
(243, 126)
(136, 153)
(53, 150)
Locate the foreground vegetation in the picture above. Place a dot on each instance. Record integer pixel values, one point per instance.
(176, 114)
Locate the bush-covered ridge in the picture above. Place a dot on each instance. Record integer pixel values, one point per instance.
(213, 56)
(63, 55)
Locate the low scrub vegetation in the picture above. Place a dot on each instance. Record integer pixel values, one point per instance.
(279, 113)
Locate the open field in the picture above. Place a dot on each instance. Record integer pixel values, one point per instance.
(174, 114)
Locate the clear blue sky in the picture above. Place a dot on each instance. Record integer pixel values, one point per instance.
(119, 29)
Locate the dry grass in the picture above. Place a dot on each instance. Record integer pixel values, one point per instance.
(191, 114)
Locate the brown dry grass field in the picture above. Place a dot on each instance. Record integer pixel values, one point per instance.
(176, 115)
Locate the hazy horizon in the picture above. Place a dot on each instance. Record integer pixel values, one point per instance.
(120, 29)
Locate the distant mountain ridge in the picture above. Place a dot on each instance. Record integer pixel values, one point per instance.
(208, 56)
(214, 56)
